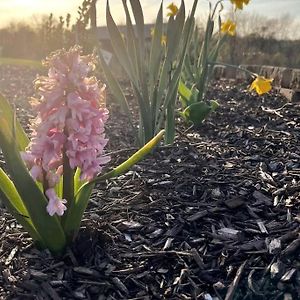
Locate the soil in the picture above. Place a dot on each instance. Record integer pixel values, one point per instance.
(215, 216)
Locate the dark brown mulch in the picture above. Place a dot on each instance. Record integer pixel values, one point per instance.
(216, 216)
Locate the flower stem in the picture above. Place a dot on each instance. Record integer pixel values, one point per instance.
(233, 66)
(68, 183)
(215, 8)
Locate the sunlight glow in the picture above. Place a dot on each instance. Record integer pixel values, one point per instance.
(23, 10)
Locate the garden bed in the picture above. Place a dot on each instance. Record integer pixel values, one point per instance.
(214, 215)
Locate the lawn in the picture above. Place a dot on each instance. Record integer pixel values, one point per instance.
(21, 62)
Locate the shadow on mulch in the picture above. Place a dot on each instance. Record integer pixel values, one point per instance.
(216, 216)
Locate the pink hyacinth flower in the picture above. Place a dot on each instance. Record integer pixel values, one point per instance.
(70, 124)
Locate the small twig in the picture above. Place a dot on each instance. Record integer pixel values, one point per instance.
(283, 106)
(122, 151)
(235, 282)
(156, 253)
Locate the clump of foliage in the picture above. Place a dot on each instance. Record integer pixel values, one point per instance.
(50, 178)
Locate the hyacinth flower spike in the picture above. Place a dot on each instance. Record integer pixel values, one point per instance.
(69, 129)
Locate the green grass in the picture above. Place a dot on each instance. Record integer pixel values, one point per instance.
(21, 62)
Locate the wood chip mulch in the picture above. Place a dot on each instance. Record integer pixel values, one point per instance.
(215, 216)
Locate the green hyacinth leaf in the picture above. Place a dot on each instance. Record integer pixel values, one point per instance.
(75, 212)
(15, 205)
(8, 114)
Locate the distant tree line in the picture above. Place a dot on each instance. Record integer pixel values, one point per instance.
(260, 40)
(264, 41)
(256, 50)
(36, 40)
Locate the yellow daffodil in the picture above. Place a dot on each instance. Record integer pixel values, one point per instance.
(228, 27)
(261, 85)
(163, 39)
(239, 3)
(173, 10)
(152, 31)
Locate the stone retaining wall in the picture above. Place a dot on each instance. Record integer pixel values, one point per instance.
(286, 78)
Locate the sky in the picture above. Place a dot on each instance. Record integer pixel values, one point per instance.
(29, 10)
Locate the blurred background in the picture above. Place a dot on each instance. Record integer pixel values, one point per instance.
(267, 31)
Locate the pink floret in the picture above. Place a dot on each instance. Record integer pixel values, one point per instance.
(55, 205)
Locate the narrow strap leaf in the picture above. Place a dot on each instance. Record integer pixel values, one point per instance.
(75, 213)
(14, 204)
(7, 113)
(119, 46)
(115, 88)
(139, 21)
(135, 158)
(155, 53)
